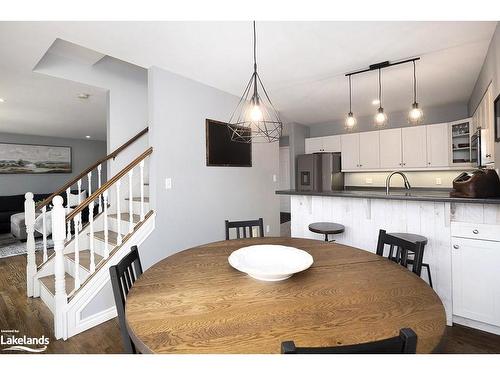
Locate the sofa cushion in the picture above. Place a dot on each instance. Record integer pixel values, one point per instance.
(12, 203)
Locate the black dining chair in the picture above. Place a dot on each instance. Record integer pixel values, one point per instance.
(399, 249)
(405, 343)
(123, 276)
(244, 226)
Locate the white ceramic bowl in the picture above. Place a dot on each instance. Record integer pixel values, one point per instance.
(270, 262)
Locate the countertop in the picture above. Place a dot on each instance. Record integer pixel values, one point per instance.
(416, 194)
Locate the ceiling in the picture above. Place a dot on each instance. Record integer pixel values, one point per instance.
(302, 64)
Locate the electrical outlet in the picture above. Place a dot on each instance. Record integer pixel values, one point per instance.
(369, 180)
(268, 228)
(438, 181)
(168, 183)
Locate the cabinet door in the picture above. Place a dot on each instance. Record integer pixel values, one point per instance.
(414, 147)
(350, 151)
(331, 143)
(476, 280)
(438, 145)
(313, 145)
(390, 149)
(488, 121)
(369, 148)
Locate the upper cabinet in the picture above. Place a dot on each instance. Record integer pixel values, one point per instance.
(350, 153)
(390, 149)
(438, 145)
(484, 118)
(414, 141)
(323, 144)
(369, 150)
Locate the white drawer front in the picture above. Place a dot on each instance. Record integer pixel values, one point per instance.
(488, 232)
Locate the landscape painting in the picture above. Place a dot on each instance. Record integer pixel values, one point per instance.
(20, 158)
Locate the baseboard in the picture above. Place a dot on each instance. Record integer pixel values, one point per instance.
(476, 325)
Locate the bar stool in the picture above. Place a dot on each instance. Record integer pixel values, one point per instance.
(326, 228)
(411, 237)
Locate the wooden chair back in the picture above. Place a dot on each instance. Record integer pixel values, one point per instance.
(123, 276)
(399, 249)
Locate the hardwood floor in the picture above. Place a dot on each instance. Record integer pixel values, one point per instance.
(32, 318)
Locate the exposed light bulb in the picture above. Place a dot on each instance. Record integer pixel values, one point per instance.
(350, 121)
(415, 115)
(256, 113)
(380, 117)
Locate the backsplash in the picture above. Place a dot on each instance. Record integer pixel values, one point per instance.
(429, 179)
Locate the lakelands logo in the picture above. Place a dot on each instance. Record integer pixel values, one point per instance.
(22, 343)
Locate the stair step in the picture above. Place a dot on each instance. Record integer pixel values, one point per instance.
(138, 199)
(112, 237)
(85, 258)
(49, 283)
(125, 216)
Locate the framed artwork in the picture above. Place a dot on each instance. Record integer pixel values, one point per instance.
(23, 159)
(496, 106)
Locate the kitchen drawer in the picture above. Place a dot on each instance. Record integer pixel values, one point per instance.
(488, 232)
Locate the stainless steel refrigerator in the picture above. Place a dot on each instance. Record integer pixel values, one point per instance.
(319, 172)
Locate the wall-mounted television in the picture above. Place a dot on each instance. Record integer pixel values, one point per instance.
(222, 151)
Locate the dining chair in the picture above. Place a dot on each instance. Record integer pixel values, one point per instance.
(123, 276)
(405, 343)
(243, 226)
(399, 249)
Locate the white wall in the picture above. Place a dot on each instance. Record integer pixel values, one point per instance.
(127, 95)
(201, 198)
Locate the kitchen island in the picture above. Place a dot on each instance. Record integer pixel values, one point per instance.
(462, 274)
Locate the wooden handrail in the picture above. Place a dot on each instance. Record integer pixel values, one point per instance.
(108, 184)
(74, 180)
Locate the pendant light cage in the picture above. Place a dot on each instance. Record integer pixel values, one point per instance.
(255, 119)
(380, 116)
(415, 115)
(350, 121)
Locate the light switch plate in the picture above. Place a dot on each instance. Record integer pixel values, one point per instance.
(369, 180)
(268, 228)
(438, 181)
(168, 183)
(274, 178)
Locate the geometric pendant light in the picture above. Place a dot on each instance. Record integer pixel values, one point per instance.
(255, 119)
(416, 115)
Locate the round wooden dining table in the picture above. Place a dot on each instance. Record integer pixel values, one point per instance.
(195, 302)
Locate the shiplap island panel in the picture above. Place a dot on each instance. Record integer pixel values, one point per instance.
(364, 217)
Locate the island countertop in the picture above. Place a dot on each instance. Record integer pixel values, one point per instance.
(414, 194)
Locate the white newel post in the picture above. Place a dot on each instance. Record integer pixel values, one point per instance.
(29, 220)
(60, 298)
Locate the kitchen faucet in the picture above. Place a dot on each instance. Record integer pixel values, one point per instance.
(388, 181)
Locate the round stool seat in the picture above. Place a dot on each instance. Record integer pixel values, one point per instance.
(326, 228)
(410, 237)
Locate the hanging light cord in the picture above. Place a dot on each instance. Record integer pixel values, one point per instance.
(379, 89)
(254, 48)
(350, 96)
(414, 83)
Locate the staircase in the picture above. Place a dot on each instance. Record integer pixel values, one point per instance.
(90, 232)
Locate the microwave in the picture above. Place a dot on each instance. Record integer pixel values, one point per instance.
(475, 149)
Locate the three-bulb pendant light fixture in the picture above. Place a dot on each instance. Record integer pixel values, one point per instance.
(255, 119)
(415, 115)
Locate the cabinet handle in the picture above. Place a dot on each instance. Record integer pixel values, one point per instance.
(404, 163)
(429, 163)
(456, 247)
(361, 165)
(475, 231)
(488, 155)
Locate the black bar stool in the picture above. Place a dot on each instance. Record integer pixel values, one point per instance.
(326, 228)
(411, 237)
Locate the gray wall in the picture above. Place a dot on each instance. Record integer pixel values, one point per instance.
(201, 198)
(490, 72)
(297, 135)
(84, 153)
(432, 115)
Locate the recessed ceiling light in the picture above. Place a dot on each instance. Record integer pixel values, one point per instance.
(375, 102)
(2, 100)
(87, 136)
(83, 95)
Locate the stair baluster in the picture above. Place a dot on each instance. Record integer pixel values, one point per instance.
(89, 182)
(29, 220)
(79, 184)
(130, 203)
(91, 239)
(99, 167)
(60, 297)
(68, 208)
(142, 189)
(105, 218)
(44, 233)
(76, 224)
(118, 213)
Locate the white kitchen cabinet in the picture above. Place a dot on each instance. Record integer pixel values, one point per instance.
(322, 144)
(350, 151)
(390, 149)
(438, 145)
(414, 140)
(369, 150)
(476, 280)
